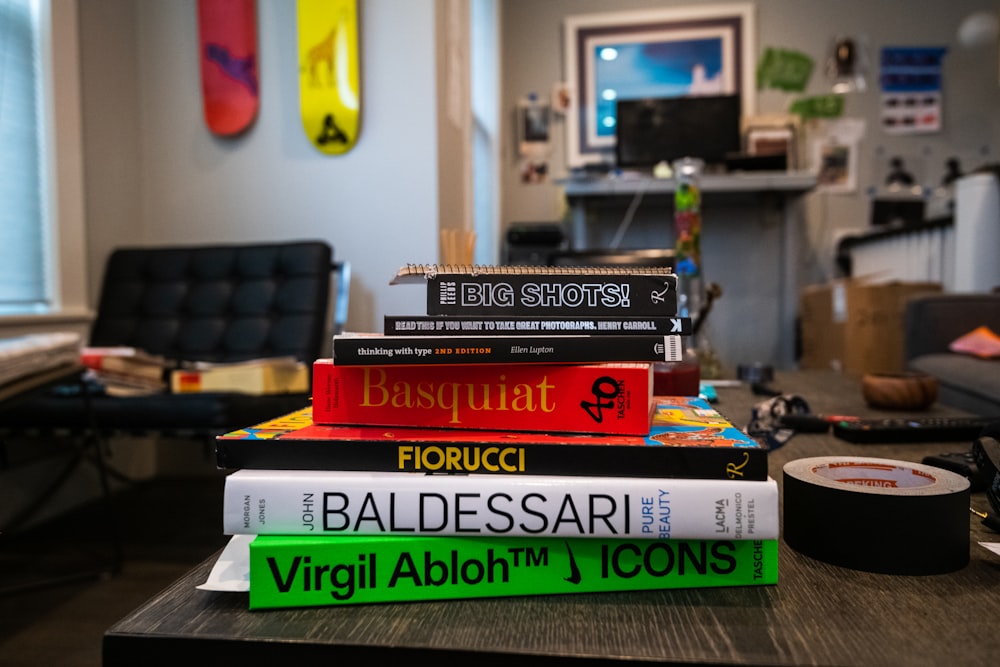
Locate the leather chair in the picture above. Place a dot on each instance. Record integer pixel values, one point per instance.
(217, 303)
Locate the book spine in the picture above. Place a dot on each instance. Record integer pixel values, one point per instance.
(310, 572)
(519, 456)
(564, 295)
(396, 350)
(598, 398)
(272, 502)
(427, 325)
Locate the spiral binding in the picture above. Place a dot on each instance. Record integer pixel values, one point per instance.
(431, 270)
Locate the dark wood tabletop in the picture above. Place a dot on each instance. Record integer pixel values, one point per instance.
(818, 614)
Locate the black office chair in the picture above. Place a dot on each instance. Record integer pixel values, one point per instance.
(219, 303)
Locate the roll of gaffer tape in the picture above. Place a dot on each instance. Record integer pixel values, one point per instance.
(877, 515)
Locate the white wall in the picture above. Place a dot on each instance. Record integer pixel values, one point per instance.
(156, 175)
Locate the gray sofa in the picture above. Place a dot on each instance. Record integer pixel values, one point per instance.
(931, 322)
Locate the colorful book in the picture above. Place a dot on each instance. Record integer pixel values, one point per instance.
(320, 502)
(569, 398)
(526, 325)
(276, 375)
(688, 438)
(363, 349)
(321, 571)
(545, 290)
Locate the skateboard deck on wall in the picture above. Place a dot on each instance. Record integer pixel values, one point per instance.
(329, 81)
(227, 40)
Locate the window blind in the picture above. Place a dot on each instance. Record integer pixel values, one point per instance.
(23, 283)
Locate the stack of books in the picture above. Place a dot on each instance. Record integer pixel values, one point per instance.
(436, 463)
(126, 371)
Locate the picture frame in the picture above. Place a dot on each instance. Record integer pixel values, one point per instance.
(651, 53)
(773, 136)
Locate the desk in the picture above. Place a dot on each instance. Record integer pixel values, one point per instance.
(818, 614)
(750, 247)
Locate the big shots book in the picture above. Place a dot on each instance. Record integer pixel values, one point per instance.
(688, 438)
(545, 290)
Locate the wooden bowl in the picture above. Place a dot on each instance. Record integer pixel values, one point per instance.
(899, 391)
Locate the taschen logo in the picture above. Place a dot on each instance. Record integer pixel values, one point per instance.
(608, 394)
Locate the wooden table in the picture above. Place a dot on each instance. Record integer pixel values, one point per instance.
(818, 614)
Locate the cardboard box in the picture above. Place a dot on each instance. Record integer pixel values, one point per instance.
(855, 325)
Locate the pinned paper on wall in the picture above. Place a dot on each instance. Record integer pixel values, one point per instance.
(783, 69)
(911, 89)
(834, 149)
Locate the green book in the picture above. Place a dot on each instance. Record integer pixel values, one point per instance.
(304, 571)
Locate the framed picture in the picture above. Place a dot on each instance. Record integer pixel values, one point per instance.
(698, 50)
(762, 138)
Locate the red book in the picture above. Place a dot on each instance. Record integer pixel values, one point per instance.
(569, 398)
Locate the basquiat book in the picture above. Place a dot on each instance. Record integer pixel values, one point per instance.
(573, 398)
(687, 438)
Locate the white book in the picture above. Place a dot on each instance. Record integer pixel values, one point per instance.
(308, 502)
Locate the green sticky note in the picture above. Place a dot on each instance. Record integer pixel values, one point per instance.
(820, 106)
(786, 70)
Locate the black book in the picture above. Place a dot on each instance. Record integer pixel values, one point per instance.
(498, 325)
(360, 349)
(610, 291)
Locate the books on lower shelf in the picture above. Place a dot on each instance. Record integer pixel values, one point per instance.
(687, 438)
(575, 398)
(284, 571)
(318, 502)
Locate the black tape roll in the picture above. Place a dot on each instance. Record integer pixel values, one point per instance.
(877, 515)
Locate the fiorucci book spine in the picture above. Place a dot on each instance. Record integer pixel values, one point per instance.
(360, 349)
(574, 398)
(320, 571)
(688, 438)
(313, 502)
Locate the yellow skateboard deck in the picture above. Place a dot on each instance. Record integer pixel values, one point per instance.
(329, 79)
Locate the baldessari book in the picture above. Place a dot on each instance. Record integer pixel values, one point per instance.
(526, 325)
(688, 438)
(374, 349)
(315, 502)
(320, 571)
(573, 398)
(545, 290)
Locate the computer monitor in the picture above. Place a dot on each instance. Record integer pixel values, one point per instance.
(652, 130)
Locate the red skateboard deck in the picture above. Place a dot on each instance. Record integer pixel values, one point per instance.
(227, 38)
